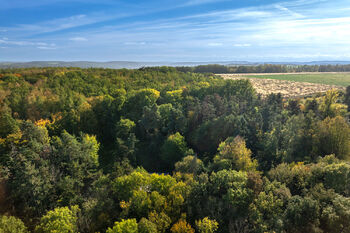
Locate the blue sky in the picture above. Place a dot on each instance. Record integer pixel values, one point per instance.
(174, 30)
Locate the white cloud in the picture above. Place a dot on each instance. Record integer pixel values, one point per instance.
(242, 45)
(39, 45)
(46, 48)
(78, 39)
(227, 15)
(273, 25)
(285, 9)
(135, 43)
(15, 4)
(59, 24)
(215, 44)
(201, 2)
(20, 43)
(287, 29)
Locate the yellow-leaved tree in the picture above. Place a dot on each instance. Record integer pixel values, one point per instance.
(233, 154)
(63, 220)
(206, 225)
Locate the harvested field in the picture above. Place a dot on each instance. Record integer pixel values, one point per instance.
(328, 78)
(286, 88)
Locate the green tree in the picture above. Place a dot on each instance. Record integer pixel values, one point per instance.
(347, 97)
(126, 138)
(76, 163)
(266, 212)
(189, 164)
(332, 136)
(333, 174)
(107, 111)
(141, 194)
(146, 226)
(124, 226)
(8, 125)
(172, 119)
(161, 220)
(174, 149)
(302, 215)
(174, 97)
(233, 154)
(30, 186)
(329, 106)
(62, 219)
(336, 217)
(10, 224)
(295, 176)
(138, 100)
(224, 196)
(206, 225)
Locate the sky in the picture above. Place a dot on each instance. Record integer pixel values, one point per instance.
(174, 30)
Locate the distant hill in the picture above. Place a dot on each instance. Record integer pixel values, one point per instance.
(136, 65)
(81, 64)
(111, 64)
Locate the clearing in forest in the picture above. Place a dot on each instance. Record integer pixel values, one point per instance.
(286, 84)
(328, 78)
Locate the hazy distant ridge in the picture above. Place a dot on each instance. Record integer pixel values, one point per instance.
(136, 65)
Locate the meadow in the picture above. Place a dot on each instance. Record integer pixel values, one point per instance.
(337, 78)
(285, 84)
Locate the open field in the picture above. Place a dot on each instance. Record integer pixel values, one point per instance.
(328, 78)
(288, 88)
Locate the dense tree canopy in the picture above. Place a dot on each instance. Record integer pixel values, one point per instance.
(167, 150)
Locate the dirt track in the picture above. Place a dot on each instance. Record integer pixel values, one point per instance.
(286, 88)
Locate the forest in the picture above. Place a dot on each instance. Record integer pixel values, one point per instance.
(168, 150)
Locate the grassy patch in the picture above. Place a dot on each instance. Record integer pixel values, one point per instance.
(339, 79)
